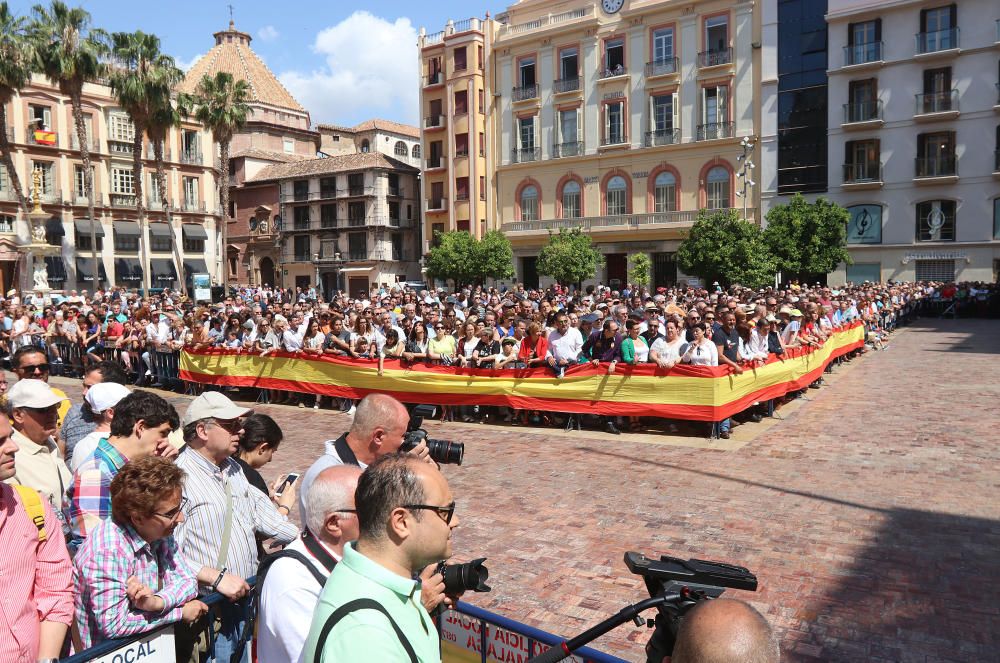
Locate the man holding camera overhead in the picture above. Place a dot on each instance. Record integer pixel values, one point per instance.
(370, 608)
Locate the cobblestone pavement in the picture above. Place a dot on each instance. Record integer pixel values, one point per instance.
(869, 513)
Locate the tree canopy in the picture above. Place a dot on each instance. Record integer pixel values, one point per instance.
(569, 257)
(807, 238)
(723, 247)
(460, 257)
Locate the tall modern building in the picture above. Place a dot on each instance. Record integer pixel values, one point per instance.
(623, 118)
(914, 139)
(44, 139)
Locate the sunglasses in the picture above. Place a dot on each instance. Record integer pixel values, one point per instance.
(35, 368)
(231, 426)
(445, 513)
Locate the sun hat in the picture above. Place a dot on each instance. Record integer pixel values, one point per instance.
(34, 394)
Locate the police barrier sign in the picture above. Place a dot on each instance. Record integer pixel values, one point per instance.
(154, 648)
(461, 638)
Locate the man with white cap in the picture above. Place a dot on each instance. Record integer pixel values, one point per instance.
(139, 427)
(101, 399)
(34, 412)
(223, 513)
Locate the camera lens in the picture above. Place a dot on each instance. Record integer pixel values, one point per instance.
(446, 452)
(470, 576)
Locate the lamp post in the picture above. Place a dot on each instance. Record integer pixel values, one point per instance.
(746, 171)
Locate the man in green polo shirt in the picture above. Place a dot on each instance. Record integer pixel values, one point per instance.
(405, 515)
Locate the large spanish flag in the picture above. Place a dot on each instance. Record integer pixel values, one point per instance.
(683, 392)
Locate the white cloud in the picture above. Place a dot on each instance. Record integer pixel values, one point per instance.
(371, 70)
(268, 33)
(187, 64)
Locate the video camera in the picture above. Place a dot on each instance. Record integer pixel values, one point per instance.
(445, 452)
(675, 586)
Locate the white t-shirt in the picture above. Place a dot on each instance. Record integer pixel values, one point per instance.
(565, 346)
(668, 352)
(705, 354)
(85, 448)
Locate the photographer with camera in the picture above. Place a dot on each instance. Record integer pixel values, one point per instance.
(370, 609)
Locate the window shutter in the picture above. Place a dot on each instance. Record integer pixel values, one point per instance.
(953, 16)
(722, 96)
(878, 29)
(704, 105)
(607, 121)
(850, 34)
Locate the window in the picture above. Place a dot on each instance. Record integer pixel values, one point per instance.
(482, 101)
(3, 178)
(717, 188)
(154, 189)
(936, 154)
(357, 245)
(48, 176)
(327, 187)
(663, 115)
(83, 242)
(461, 188)
(190, 144)
(394, 211)
(356, 184)
(865, 225)
(938, 31)
(461, 145)
(122, 182)
(461, 102)
(356, 214)
(862, 161)
(526, 132)
(529, 203)
(568, 135)
(482, 144)
(460, 59)
(302, 245)
(996, 218)
(190, 192)
(936, 221)
(863, 101)
(392, 181)
(571, 208)
(120, 128)
(616, 195)
(41, 116)
(482, 187)
(6, 223)
(614, 123)
(300, 190)
(192, 245)
(288, 145)
(717, 34)
(569, 64)
(614, 57)
(300, 215)
(715, 112)
(937, 96)
(665, 192)
(328, 216)
(480, 51)
(400, 149)
(864, 42)
(79, 183)
(663, 46)
(526, 72)
(365, 146)
(416, 152)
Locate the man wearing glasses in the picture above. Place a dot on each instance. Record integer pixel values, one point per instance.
(34, 414)
(223, 514)
(31, 363)
(406, 513)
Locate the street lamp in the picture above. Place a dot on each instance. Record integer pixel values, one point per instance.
(746, 171)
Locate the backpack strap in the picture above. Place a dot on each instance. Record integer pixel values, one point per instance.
(32, 503)
(346, 609)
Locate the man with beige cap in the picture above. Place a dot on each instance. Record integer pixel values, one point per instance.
(34, 413)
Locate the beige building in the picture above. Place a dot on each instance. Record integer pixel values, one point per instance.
(43, 138)
(456, 102)
(621, 117)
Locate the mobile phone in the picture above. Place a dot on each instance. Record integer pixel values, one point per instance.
(290, 479)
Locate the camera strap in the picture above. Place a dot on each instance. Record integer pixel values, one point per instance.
(346, 609)
(317, 550)
(344, 451)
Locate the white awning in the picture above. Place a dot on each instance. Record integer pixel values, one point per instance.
(356, 270)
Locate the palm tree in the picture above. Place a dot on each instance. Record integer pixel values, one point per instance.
(141, 78)
(15, 74)
(220, 104)
(71, 53)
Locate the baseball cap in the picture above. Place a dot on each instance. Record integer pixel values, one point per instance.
(213, 405)
(34, 394)
(796, 313)
(104, 395)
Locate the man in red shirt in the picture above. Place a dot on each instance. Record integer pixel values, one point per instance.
(36, 571)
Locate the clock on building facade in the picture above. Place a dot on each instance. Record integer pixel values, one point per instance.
(612, 6)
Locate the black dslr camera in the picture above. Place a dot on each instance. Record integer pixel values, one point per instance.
(445, 452)
(459, 578)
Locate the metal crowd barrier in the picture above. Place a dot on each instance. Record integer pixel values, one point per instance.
(65, 359)
(165, 365)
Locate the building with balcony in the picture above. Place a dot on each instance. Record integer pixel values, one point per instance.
(456, 100)
(624, 123)
(43, 137)
(348, 222)
(914, 87)
(278, 131)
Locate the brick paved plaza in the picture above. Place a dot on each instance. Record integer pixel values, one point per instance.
(868, 513)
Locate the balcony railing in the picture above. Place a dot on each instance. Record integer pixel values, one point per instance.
(193, 206)
(525, 92)
(938, 40)
(434, 79)
(356, 221)
(191, 156)
(663, 137)
(566, 85)
(661, 67)
(611, 72)
(860, 173)
(120, 147)
(433, 121)
(462, 151)
(571, 149)
(937, 102)
(437, 162)
(545, 21)
(437, 204)
(300, 224)
(856, 54)
(122, 200)
(74, 143)
(614, 138)
(462, 196)
(525, 154)
(863, 111)
(608, 221)
(300, 196)
(935, 166)
(715, 58)
(395, 191)
(714, 130)
(326, 193)
(356, 256)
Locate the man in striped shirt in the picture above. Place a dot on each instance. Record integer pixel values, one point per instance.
(223, 512)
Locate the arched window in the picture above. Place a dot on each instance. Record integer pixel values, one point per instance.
(571, 207)
(617, 196)
(717, 188)
(365, 146)
(665, 192)
(416, 152)
(529, 203)
(401, 150)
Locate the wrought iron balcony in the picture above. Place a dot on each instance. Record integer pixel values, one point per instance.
(191, 156)
(50, 139)
(611, 72)
(461, 152)
(661, 67)
(940, 166)
(938, 40)
(663, 137)
(437, 204)
(525, 92)
(570, 149)
(863, 111)
(193, 206)
(614, 138)
(121, 147)
(437, 162)
(715, 58)
(433, 121)
(714, 130)
(609, 222)
(566, 85)
(860, 173)
(936, 102)
(74, 143)
(868, 52)
(395, 191)
(122, 200)
(462, 196)
(525, 154)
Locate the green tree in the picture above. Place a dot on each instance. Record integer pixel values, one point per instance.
(141, 79)
(640, 270)
(70, 52)
(569, 257)
(807, 238)
(221, 105)
(723, 247)
(15, 74)
(493, 257)
(453, 258)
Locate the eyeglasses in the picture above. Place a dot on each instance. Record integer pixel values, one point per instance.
(444, 512)
(173, 513)
(35, 368)
(345, 510)
(232, 426)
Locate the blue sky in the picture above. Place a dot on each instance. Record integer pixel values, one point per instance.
(345, 62)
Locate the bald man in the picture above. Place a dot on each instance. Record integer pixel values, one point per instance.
(725, 631)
